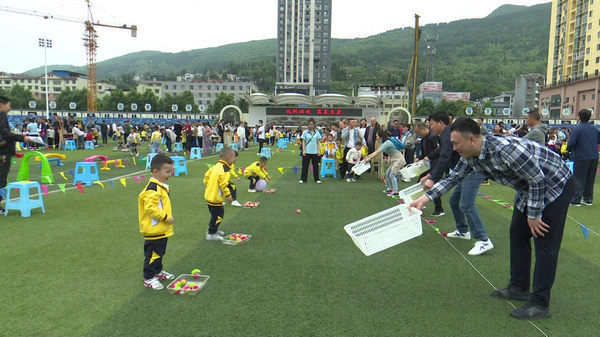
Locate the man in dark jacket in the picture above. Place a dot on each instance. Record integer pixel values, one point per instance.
(444, 157)
(7, 144)
(370, 133)
(429, 143)
(104, 132)
(583, 145)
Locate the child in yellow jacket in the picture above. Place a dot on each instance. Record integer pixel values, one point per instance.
(231, 185)
(217, 180)
(156, 221)
(255, 172)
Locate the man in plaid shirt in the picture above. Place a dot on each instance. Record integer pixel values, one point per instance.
(544, 187)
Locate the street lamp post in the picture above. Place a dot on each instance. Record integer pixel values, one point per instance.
(46, 43)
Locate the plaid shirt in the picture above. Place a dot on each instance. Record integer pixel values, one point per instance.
(538, 174)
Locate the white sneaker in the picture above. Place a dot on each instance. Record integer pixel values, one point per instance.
(348, 180)
(214, 237)
(481, 247)
(236, 203)
(165, 275)
(251, 190)
(224, 203)
(153, 284)
(353, 180)
(458, 235)
(220, 232)
(301, 182)
(318, 181)
(406, 180)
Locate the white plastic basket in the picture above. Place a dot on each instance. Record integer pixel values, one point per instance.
(415, 169)
(407, 193)
(385, 229)
(361, 167)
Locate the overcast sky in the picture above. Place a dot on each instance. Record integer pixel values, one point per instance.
(178, 25)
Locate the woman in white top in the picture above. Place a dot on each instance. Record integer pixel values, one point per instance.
(362, 128)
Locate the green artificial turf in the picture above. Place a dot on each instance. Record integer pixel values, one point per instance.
(77, 269)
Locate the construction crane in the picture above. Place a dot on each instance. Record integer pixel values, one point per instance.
(90, 41)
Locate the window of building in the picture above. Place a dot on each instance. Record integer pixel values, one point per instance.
(590, 14)
(593, 96)
(217, 87)
(199, 94)
(208, 94)
(208, 87)
(57, 89)
(207, 102)
(192, 87)
(583, 97)
(596, 72)
(241, 87)
(156, 91)
(589, 38)
(589, 26)
(587, 50)
(232, 87)
(224, 88)
(597, 59)
(586, 62)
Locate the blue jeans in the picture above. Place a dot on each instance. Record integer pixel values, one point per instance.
(391, 180)
(462, 202)
(155, 146)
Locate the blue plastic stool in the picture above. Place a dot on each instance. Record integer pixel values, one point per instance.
(86, 172)
(178, 147)
(328, 167)
(89, 145)
(25, 204)
(293, 139)
(70, 145)
(235, 146)
(149, 160)
(282, 144)
(570, 165)
(219, 147)
(196, 153)
(180, 165)
(265, 152)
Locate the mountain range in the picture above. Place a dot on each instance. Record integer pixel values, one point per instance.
(482, 56)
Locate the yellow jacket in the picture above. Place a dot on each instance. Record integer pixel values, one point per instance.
(216, 180)
(232, 172)
(156, 136)
(256, 170)
(154, 208)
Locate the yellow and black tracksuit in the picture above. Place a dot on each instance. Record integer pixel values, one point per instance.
(154, 208)
(216, 181)
(231, 185)
(255, 172)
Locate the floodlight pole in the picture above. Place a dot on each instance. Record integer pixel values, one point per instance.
(46, 43)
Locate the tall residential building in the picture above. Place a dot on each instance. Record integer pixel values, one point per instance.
(527, 92)
(304, 41)
(574, 43)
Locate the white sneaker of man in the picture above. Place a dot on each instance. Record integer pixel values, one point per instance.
(481, 247)
(458, 235)
(236, 203)
(251, 190)
(153, 284)
(214, 237)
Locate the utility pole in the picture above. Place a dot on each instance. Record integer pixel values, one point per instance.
(415, 65)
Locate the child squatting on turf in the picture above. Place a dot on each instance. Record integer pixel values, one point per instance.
(255, 172)
(156, 221)
(217, 180)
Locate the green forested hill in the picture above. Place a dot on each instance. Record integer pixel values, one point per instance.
(483, 56)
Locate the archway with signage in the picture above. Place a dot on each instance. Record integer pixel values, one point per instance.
(399, 113)
(231, 113)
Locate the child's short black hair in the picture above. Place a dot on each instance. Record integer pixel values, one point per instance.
(159, 160)
(358, 142)
(262, 159)
(4, 99)
(226, 152)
